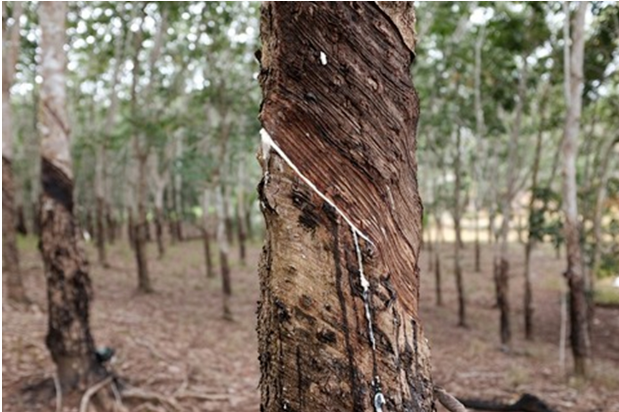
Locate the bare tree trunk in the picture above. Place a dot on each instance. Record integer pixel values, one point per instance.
(130, 228)
(437, 278)
(207, 232)
(111, 224)
(224, 250)
(240, 221)
(69, 288)
(501, 260)
(337, 322)
(528, 289)
(140, 230)
(458, 230)
(16, 292)
(579, 330)
(101, 232)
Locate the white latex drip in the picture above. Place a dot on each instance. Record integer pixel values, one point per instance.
(267, 144)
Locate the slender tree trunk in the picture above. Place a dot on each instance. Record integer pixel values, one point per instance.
(101, 232)
(130, 228)
(458, 230)
(16, 292)
(528, 250)
(159, 223)
(240, 221)
(224, 251)
(69, 288)
(501, 260)
(207, 233)
(338, 324)
(579, 330)
(159, 219)
(437, 278)
(140, 230)
(229, 224)
(110, 223)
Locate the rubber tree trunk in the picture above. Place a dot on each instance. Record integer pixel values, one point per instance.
(437, 279)
(224, 252)
(16, 292)
(240, 212)
(574, 274)
(69, 289)
(501, 258)
(458, 229)
(338, 323)
(140, 231)
(529, 245)
(207, 233)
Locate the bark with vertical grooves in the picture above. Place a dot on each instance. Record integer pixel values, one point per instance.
(579, 330)
(347, 121)
(69, 289)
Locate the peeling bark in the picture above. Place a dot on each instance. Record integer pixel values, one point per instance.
(338, 322)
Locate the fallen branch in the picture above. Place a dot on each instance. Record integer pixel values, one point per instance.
(526, 403)
(91, 391)
(204, 396)
(151, 396)
(448, 401)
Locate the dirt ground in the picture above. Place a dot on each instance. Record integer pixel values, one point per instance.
(175, 342)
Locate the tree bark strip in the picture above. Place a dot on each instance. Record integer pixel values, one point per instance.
(339, 102)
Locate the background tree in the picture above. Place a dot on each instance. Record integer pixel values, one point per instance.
(10, 255)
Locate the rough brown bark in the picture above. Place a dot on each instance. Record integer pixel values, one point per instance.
(66, 269)
(574, 274)
(338, 322)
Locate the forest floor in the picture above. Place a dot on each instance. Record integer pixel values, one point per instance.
(176, 343)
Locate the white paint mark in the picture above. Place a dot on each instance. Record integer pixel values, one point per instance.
(323, 58)
(268, 143)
